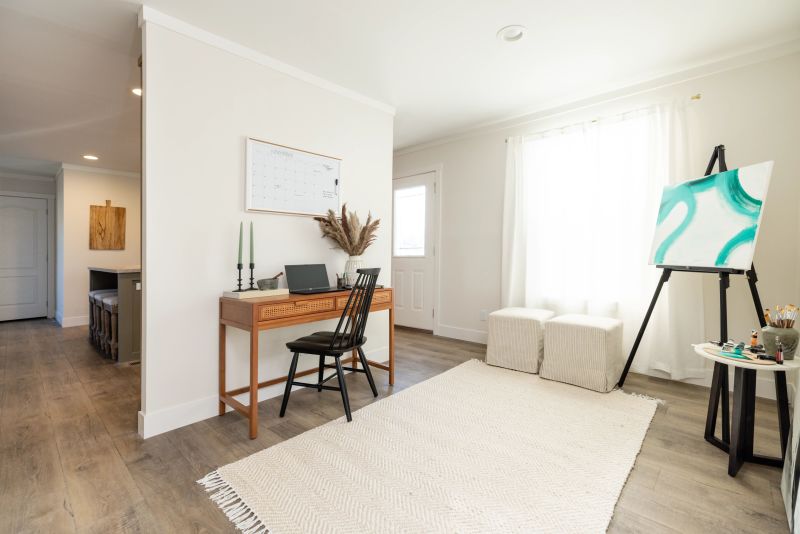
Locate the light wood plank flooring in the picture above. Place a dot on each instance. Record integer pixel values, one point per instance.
(71, 461)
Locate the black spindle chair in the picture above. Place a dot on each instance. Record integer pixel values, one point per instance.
(349, 336)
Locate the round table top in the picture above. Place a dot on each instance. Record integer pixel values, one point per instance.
(787, 365)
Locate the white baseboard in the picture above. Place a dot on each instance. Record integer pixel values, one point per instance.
(68, 322)
(157, 422)
(464, 334)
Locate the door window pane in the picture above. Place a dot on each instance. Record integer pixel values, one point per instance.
(409, 221)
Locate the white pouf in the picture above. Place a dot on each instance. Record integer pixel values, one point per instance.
(584, 351)
(516, 337)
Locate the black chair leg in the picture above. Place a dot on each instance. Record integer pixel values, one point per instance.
(363, 358)
(321, 372)
(289, 380)
(343, 389)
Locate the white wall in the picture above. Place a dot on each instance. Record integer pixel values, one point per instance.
(200, 103)
(40, 185)
(77, 189)
(753, 110)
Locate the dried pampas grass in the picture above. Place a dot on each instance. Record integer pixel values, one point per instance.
(347, 232)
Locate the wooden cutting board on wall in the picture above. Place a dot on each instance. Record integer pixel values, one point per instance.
(106, 227)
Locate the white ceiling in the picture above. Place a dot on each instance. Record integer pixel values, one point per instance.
(66, 71)
(437, 61)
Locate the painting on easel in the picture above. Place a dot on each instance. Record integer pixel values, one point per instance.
(712, 221)
(106, 227)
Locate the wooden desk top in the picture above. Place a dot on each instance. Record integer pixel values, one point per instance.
(284, 310)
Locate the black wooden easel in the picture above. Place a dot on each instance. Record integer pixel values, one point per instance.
(745, 379)
(724, 284)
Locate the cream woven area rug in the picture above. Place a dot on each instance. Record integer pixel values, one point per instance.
(475, 449)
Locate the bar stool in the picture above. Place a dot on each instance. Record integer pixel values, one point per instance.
(95, 322)
(100, 333)
(110, 308)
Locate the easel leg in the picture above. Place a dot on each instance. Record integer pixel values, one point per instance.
(663, 280)
(752, 278)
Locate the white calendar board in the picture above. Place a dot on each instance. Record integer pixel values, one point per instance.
(288, 180)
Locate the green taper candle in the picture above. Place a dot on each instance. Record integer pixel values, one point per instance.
(241, 230)
(252, 261)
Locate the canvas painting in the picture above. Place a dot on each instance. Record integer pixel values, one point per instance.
(713, 221)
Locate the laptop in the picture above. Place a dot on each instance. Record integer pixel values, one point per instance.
(308, 279)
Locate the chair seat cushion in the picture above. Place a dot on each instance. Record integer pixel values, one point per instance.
(319, 342)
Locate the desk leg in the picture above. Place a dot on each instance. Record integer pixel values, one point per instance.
(254, 383)
(391, 345)
(221, 368)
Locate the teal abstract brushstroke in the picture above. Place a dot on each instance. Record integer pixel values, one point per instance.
(729, 187)
(745, 236)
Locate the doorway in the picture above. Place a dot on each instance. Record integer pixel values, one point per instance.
(23, 257)
(414, 234)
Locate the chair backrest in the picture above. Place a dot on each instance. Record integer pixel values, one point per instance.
(353, 322)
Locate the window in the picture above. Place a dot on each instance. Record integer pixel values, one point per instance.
(409, 221)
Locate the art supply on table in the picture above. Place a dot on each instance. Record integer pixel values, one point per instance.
(779, 352)
(782, 316)
(753, 338)
(780, 326)
(729, 351)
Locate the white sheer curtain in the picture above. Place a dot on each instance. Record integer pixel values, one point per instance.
(580, 207)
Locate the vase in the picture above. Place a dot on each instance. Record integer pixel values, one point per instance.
(352, 264)
(788, 337)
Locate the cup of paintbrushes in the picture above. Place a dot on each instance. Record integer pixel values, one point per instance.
(780, 327)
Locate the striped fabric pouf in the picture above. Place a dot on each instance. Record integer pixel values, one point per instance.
(516, 338)
(584, 351)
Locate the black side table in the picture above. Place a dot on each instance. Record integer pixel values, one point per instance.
(737, 434)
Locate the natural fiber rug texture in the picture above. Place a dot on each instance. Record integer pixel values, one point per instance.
(475, 449)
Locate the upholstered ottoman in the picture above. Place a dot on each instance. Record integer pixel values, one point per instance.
(516, 336)
(584, 351)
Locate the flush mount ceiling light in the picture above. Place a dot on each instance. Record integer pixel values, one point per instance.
(90, 157)
(511, 34)
(137, 91)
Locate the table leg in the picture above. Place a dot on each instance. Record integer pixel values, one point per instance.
(719, 389)
(736, 450)
(391, 344)
(254, 383)
(724, 391)
(782, 398)
(222, 382)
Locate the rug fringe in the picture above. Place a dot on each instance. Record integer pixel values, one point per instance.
(643, 396)
(226, 498)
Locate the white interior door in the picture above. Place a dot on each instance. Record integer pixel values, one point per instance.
(413, 263)
(23, 257)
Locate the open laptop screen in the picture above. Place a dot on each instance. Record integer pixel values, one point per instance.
(303, 277)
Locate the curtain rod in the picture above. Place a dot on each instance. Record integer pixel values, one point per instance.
(693, 98)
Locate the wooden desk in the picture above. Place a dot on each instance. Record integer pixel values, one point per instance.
(255, 315)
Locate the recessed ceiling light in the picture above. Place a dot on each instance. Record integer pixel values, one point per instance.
(137, 91)
(91, 157)
(511, 34)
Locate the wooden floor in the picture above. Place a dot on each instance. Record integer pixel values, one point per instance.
(71, 461)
